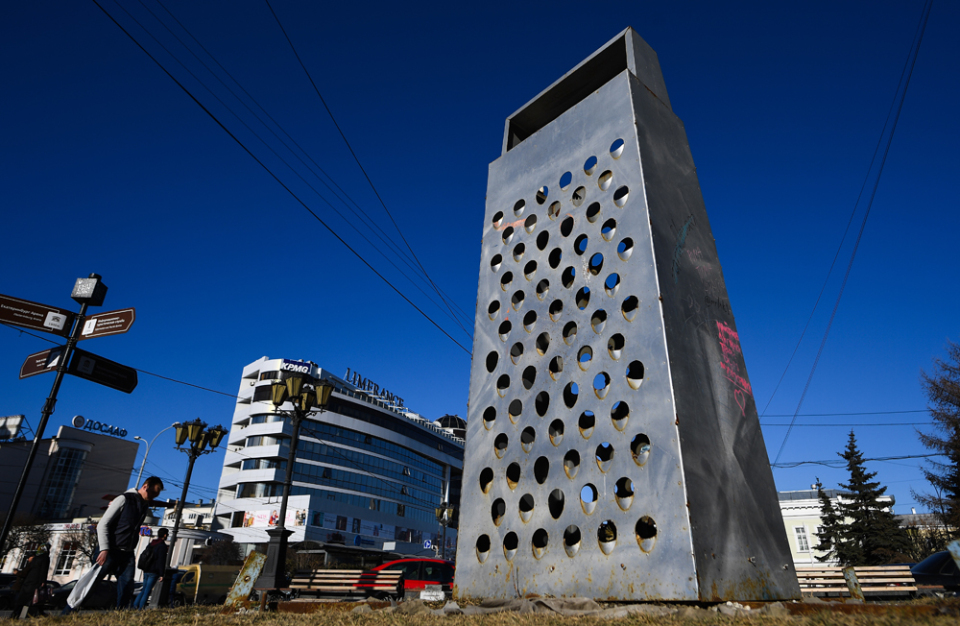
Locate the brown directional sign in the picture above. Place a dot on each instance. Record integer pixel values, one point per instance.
(102, 371)
(109, 323)
(34, 315)
(41, 362)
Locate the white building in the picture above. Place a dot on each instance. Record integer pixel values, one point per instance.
(368, 471)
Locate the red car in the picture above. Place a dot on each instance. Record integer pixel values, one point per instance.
(418, 573)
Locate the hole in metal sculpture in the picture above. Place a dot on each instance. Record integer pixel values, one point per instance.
(601, 384)
(486, 479)
(489, 417)
(510, 544)
(596, 264)
(529, 270)
(570, 394)
(527, 437)
(584, 356)
(515, 410)
(530, 224)
(598, 320)
(494, 309)
(587, 423)
(542, 194)
(518, 208)
(625, 248)
(630, 308)
(615, 346)
(495, 262)
(579, 195)
(619, 414)
(604, 456)
(646, 530)
(566, 226)
(539, 543)
(569, 333)
(526, 507)
(555, 367)
(556, 432)
(483, 548)
(583, 298)
(593, 212)
(518, 251)
(616, 148)
(590, 166)
(542, 288)
(513, 475)
(507, 235)
(541, 403)
(635, 374)
(503, 383)
(604, 180)
(529, 321)
(620, 196)
(517, 300)
(554, 258)
(608, 230)
(565, 179)
(612, 284)
(640, 449)
(571, 540)
(542, 240)
(541, 470)
(555, 310)
(497, 219)
(528, 377)
(555, 503)
(497, 511)
(588, 498)
(516, 351)
(623, 491)
(505, 280)
(568, 276)
(571, 464)
(492, 359)
(607, 536)
(553, 211)
(542, 343)
(580, 244)
(500, 445)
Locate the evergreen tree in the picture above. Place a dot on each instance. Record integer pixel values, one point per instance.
(831, 528)
(942, 387)
(872, 535)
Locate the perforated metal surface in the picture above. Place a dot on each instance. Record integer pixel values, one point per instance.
(585, 494)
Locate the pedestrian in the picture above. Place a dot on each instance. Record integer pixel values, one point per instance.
(34, 577)
(118, 533)
(157, 561)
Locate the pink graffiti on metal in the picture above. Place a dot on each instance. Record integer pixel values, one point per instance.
(731, 365)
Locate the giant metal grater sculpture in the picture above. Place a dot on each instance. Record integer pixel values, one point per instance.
(613, 446)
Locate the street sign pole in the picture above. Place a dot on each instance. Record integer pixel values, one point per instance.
(48, 408)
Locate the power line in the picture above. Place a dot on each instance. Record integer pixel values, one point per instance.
(841, 463)
(858, 413)
(851, 425)
(277, 178)
(915, 53)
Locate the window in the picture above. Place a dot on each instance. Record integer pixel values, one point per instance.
(317, 518)
(401, 510)
(356, 526)
(270, 375)
(62, 481)
(68, 554)
(341, 522)
(802, 544)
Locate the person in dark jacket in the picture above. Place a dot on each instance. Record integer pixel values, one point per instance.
(34, 575)
(155, 573)
(118, 533)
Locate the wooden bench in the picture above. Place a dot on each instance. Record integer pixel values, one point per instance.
(881, 580)
(348, 582)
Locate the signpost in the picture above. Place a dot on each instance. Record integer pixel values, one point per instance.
(88, 292)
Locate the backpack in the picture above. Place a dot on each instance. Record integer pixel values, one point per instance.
(148, 559)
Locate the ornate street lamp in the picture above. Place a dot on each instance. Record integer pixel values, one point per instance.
(306, 396)
(444, 514)
(192, 438)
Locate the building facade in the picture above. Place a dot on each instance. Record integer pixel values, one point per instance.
(368, 472)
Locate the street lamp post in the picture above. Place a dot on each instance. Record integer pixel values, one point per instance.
(149, 445)
(307, 396)
(444, 516)
(197, 437)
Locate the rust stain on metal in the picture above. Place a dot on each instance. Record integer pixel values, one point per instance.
(248, 575)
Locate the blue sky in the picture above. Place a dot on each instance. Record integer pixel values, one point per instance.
(108, 167)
